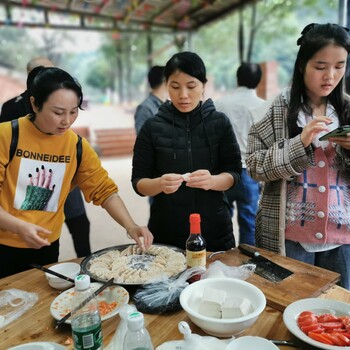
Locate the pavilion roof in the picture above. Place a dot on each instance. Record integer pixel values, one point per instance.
(117, 15)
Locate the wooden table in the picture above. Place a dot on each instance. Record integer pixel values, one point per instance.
(37, 324)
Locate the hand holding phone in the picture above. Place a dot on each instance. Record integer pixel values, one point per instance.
(340, 131)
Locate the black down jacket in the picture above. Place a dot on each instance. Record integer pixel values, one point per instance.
(175, 142)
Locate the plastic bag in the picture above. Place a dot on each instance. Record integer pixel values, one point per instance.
(14, 303)
(194, 341)
(163, 296)
(219, 269)
(118, 338)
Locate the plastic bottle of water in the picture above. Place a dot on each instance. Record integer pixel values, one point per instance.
(86, 319)
(137, 336)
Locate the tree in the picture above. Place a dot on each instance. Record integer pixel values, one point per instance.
(16, 48)
(268, 31)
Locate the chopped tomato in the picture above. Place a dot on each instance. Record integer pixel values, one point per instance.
(326, 328)
(331, 325)
(307, 320)
(312, 328)
(306, 313)
(335, 339)
(344, 339)
(346, 321)
(327, 318)
(333, 330)
(346, 334)
(320, 337)
(318, 330)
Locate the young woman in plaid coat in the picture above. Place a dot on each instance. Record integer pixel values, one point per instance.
(304, 211)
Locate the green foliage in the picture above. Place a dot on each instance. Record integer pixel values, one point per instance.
(15, 45)
(278, 25)
(121, 63)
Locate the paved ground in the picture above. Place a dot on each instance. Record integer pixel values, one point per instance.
(105, 232)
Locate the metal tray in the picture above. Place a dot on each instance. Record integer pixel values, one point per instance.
(85, 264)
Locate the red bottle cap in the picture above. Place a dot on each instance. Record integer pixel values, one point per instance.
(195, 223)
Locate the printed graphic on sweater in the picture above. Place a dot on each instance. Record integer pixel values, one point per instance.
(39, 185)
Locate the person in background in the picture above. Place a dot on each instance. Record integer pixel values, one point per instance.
(185, 158)
(36, 181)
(237, 107)
(149, 107)
(304, 211)
(74, 209)
(19, 106)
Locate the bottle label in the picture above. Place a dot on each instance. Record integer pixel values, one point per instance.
(198, 258)
(88, 338)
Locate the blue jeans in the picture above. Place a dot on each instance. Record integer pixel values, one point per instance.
(246, 196)
(337, 260)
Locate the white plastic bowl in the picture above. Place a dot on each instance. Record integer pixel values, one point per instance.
(69, 269)
(191, 296)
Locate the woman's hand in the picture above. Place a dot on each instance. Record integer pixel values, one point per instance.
(170, 183)
(200, 179)
(313, 128)
(343, 141)
(32, 235)
(141, 235)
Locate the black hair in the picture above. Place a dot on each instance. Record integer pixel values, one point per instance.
(186, 62)
(249, 75)
(30, 78)
(50, 79)
(31, 75)
(315, 37)
(156, 76)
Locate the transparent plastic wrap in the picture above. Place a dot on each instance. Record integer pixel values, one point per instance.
(219, 269)
(163, 296)
(14, 303)
(118, 338)
(194, 341)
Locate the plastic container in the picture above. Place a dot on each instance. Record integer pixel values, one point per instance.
(117, 342)
(86, 319)
(137, 336)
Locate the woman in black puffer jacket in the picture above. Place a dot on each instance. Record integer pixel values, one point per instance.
(185, 158)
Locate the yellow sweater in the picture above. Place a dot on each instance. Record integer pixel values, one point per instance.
(35, 184)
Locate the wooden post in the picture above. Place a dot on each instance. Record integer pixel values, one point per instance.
(268, 86)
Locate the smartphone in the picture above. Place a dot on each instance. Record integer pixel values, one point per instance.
(341, 131)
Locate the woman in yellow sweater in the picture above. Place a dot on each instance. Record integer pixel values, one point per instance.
(35, 182)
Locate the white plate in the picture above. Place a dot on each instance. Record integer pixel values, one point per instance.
(62, 304)
(39, 346)
(251, 343)
(318, 306)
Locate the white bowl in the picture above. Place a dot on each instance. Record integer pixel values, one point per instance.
(68, 269)
(251, 343)
(191, 296)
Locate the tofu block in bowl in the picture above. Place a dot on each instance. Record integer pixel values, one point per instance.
(237, 303)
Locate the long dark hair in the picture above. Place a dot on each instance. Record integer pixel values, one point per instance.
(313, 38)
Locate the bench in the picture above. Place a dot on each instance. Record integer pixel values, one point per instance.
(115, 142)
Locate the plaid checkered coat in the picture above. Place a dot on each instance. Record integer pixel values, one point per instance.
(273, 158)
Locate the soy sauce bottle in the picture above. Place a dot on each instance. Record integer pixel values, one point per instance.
(196, 254)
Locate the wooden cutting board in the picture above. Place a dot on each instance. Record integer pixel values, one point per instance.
(307, 281)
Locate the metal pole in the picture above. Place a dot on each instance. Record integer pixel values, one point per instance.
(343, 13)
